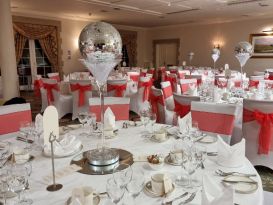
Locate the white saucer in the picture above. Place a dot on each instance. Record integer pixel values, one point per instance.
(168, 160)
(242, 188)
(150, 192)
(159, 141)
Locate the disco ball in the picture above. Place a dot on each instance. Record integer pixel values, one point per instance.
(100, 42)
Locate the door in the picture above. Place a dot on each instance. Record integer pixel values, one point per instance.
(166, 52)
(33, 62)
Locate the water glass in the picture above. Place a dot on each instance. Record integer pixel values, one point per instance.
(145, 119)
(114, 191)
(122, 174)
(153, 121)
(136, 185)
(4, 185)
(83, 118)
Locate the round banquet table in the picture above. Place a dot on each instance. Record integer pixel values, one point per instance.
(129, 139)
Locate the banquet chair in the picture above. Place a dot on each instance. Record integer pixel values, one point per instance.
(185, 84)
(143, 72)
(11, 117)
(258, 132)
(134, 76)
(116, 87)
(214, 119)
(158, 105)
(182, 104)
(197, 77)
(81, 92)
(258, 73)
(55, 76)
(181, 73)
(139, 99)
(168, 94)
(254, 80)
(52, 95)
(172, 78)
(151, 71)
(118, 105)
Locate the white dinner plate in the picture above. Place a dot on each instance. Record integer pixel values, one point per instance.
(241, 187)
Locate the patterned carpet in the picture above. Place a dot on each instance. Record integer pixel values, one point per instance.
(265, 173)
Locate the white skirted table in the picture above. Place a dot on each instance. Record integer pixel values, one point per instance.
(129, 139)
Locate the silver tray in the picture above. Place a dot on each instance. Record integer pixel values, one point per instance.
(82, 161)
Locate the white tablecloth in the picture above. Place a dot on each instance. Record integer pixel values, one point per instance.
(129, 139)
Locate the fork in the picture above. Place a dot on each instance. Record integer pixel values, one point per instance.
(176, 198)
(224, 174)
(188, 200)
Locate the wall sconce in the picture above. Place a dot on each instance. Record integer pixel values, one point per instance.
(268, 31)
(217, 46)
(69, 55)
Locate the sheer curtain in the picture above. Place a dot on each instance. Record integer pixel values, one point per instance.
(47, 36)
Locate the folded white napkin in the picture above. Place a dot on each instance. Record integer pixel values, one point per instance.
(67, 145)
(39, 123)
(82, 196)
(185, 123)
(213, 194)
(109, 119)
(230, 156)
(66, 78)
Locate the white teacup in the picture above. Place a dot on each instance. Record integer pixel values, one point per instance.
(20, 155)
(176, 156)
(157, 181)
(160, 135)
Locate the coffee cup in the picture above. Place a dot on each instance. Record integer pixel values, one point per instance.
(176, 156)
(20, 155)
(157, 181)
(160, 135)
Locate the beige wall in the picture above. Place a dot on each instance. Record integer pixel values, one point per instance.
(200, 38)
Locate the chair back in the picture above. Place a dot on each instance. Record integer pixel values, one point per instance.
(50, 91)
(81, 92)
(186, 83)
(254, 80)
(258, 132)
(118, 105)
(55, 76)
(116, 88)
(182, 104)
(258, 73)
(197, 77)
(134, 76)
(158, 104)
(11, 117)
(168, 94)
(172, 78)
(214, 118)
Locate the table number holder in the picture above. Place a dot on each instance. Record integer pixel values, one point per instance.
(54, 186)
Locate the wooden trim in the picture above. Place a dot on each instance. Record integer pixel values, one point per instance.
(162, 41)
(250, 41)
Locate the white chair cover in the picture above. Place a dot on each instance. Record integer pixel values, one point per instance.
(168, 94)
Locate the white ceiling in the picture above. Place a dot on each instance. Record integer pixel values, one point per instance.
(147, 13)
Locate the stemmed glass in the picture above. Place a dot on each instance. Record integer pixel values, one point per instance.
(122, 174)
(135, 186)
(4, 153)
(17, 181)
(145, 118)
(114, 191)
(28, 167)
(83, 118)
(26, 129)
(153, 121)
(92, 121)
(4, 185)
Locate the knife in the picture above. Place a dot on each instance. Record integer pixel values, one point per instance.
(24, 140)
(235, 182)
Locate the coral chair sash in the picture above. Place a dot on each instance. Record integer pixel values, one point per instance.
(49, 88)
(270, 77)
(155, 100)
(55, 77)
(134, 78)
(147, 88)
(5, 121)
(181, 110)
(253, 83)
(214, 122)
(82, 89)
(167, 91)
(37, 85)
(119, 89)
(120, 111)
(265, 120)
(185, 87)
(173, 82)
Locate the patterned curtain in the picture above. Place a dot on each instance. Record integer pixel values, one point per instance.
(47, 36)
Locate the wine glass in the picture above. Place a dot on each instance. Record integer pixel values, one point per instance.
(4, 185)
(135, 186)
(145, 118)
(83, 118)
(92, 120)
(17, 181)
(153, 121)
(114, 191)
(27, 129)
(28, 168)
(122, 174)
